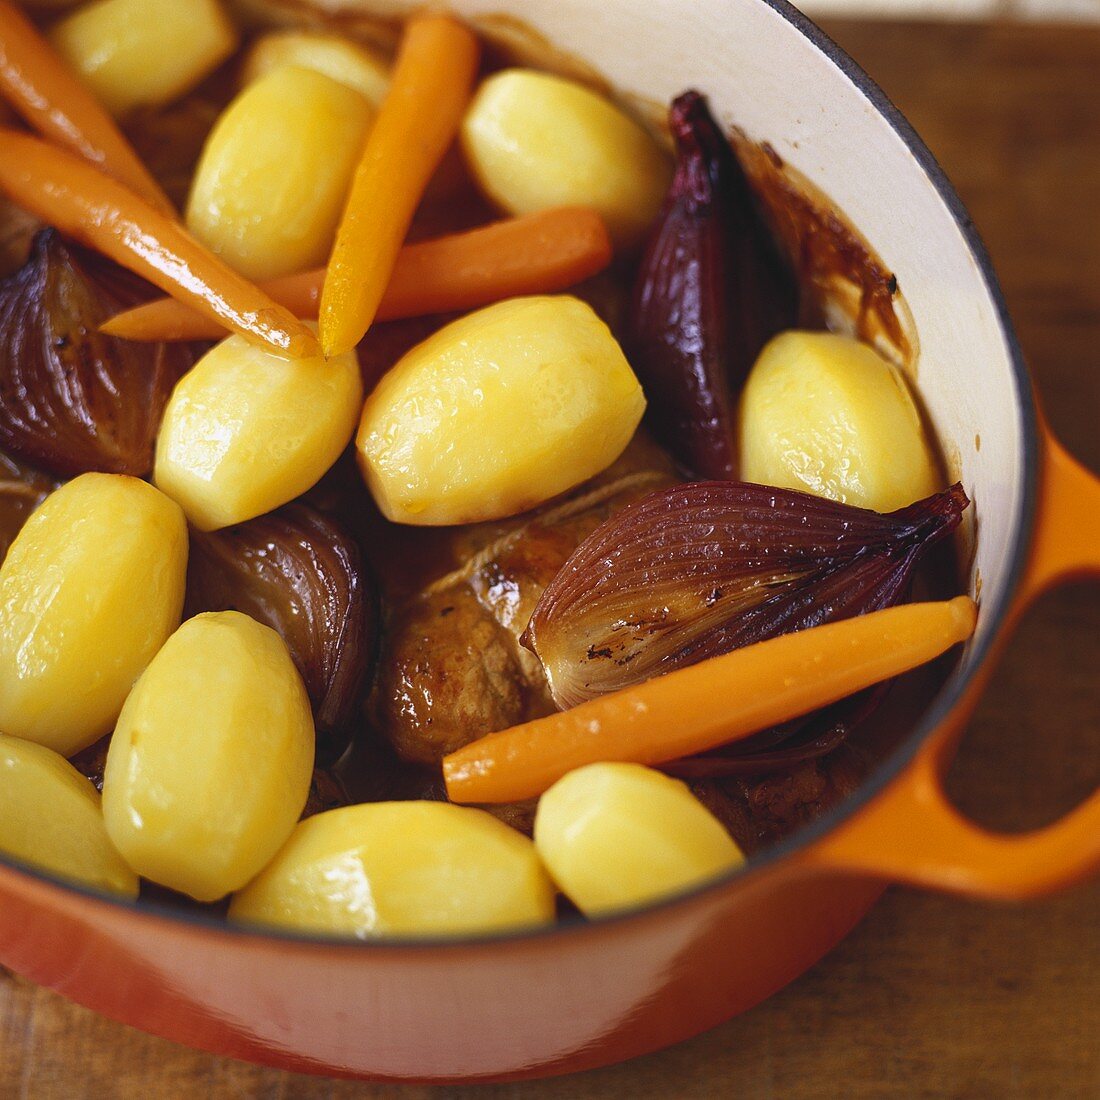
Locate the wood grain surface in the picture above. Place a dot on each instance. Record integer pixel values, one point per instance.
(930, 997)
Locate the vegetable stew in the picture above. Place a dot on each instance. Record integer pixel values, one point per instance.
(433, 499)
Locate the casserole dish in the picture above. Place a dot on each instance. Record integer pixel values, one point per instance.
(585, 995)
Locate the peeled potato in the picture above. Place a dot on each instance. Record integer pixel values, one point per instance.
(619, 835)
(91, 588)
(330, 54)
(401, 869)
(498, 412)
(135, 53)
(209, 767)
(535, 141)
(828, 415)
(51, 818)
(245, 431)
(274, 174)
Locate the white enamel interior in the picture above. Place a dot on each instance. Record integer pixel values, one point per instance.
(761, 74)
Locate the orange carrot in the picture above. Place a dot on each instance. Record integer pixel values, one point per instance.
(535, 254)
(55, 103)
(714, 702)
(102, 213)
(419, 118)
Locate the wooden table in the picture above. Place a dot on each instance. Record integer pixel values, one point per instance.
(930, 997)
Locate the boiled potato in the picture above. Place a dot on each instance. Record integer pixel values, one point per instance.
(136, 53)
(89, 591)
(51, 818)
(534, 141)
(270, 186)
(210, 764)
(619, 835)
(401, 869)
(497, 412)
(245, 431)
(828, 415)
(330, 54)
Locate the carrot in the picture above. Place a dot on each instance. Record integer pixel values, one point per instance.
(107, 216)
(714, 702)
(536, 254)
(56, 104)
(419, 118)
(168, 319)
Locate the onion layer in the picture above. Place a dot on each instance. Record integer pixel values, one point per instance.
(298, 572)
(712, 289)
(700, 569)
(71, 399)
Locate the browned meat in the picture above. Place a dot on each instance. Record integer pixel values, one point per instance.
(453, 669)
(759, 810)
(451, 674)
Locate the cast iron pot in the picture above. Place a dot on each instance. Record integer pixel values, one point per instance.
(585, 995)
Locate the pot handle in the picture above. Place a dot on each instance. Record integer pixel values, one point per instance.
(911, 833)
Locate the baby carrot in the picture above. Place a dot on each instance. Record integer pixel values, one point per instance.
(709, 704)
(56, 104)
(99, 211)
(535, 254)
(419, 117)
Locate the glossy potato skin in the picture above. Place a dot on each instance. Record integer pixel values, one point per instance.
(401, 869)
(618, 835)
(52, 819)
(144, 53)
(828, 415)
(209, 767)
(275, 171)
(497, 413)
(246, 431)
(534, 140)
(335, 57)
(89, 591)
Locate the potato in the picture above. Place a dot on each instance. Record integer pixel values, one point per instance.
(534, 141)
(91, 588)
(136, 53)
(828, 415)
(210, 764)
(275, 171)
(620, 835)
(497, 412)
(245, 431)
(51, 818)
(400, 869)
(336, 57)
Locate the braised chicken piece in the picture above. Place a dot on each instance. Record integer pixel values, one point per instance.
(454, 669)
(453, 674)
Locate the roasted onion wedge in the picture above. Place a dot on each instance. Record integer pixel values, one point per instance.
(71, 399)
(711, 291)
(300, 573)
(700, 569)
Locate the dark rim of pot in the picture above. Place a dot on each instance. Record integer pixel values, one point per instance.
(888, 770)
